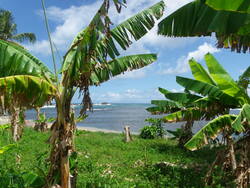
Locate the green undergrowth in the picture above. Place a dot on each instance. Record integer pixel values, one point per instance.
(104, 160)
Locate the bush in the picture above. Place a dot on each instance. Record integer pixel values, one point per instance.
(149, 132)
(155, 130)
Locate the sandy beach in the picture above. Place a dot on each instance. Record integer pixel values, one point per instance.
(31, 123)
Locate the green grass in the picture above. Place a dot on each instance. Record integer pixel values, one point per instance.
(105, 160)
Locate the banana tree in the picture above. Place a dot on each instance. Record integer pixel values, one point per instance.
(92, 59)
(220, 94)
(24, 82)
(176, 101)
(198, 19)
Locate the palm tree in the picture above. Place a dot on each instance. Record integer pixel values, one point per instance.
(220, 90)
(8, 29)
(199, 19)
(92, 59)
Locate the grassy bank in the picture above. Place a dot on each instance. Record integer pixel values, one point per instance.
(105, 160)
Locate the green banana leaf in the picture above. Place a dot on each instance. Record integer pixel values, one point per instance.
(133, 28)
(244, 79)
(104, 72)
(209, 131)
(242, 6)
(223, 80)
(200, 73)
(91, 46)
(163, 107)
(207, 90)
(180, 98)
(15, 60)
(27, 90)
(186, 114)
(198, 19)
(243, 119)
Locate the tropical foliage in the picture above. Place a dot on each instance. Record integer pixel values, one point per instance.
(220, 94)
(199, 19)
(91, 60)
(230, 5)
(8, 29)
(175, 102)
(154, 130)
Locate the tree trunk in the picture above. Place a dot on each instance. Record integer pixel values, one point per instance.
(231, 152)
(62, 145)
(38, 113)
(14, 124)
(186, 134)
(2, 105)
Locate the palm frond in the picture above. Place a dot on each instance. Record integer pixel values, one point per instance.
(30, 37)
(7, 25)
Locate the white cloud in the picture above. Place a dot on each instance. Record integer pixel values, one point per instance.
(133, 74)
(177, 90)
(129, 95)
(182, 63)
(71, 20)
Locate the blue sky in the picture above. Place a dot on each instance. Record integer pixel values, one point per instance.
(68, 17)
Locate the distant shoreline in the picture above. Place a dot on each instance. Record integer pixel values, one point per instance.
(31, 123)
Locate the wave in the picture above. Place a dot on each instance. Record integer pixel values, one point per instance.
(99, 109)
(102, 104)
(49, 106)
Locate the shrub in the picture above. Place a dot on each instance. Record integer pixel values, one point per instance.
(155, 130)
(149, 132)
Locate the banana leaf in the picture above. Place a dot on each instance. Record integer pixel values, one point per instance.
(209, 132)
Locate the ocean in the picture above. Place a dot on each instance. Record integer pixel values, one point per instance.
(115, 116)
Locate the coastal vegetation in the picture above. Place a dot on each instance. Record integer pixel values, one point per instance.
(92, 59)
(215, 93)
(8, 29)
(105, 160)
(215, 156)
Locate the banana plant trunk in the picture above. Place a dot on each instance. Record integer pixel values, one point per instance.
(16, 125)
(187, 133)
(62, 143)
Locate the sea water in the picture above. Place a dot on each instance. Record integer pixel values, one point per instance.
(115, 116)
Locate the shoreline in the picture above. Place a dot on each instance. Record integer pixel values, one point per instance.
(31, 123)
